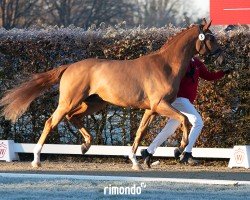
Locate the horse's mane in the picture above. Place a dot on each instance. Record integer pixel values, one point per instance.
(177, 35)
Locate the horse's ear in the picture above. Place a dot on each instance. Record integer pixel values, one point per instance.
(207, 25)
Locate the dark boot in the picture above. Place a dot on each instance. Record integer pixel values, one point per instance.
(147, 157)
(187, 158)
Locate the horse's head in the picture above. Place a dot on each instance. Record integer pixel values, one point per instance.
(206, 43)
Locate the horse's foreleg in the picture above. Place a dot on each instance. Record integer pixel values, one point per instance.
(57, 116)
(146, 119)
(165, 109)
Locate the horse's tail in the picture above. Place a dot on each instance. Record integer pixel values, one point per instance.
(16, 101)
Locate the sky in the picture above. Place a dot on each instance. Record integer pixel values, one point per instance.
(202, 5)
(200, 8)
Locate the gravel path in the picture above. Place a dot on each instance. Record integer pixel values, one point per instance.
(124, 169)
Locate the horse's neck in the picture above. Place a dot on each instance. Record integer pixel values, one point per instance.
(180, 51)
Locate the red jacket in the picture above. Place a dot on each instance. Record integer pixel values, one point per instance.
(189, 83)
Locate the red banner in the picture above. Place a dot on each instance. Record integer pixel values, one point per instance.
(225, 12)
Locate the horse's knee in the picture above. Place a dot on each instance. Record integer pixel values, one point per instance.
(50, 124)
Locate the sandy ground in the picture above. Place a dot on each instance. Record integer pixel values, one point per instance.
(209, 170)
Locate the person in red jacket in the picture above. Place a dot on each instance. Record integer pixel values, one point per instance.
(184, 103)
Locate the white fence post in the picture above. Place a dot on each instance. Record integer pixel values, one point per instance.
(240, 157)
(7, 151)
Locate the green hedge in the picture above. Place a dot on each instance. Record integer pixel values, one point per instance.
(224, 105)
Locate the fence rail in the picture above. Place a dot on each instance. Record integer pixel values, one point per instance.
(119, 150)
(239, 155)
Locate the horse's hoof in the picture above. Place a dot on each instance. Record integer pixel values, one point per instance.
(35, 164)
(137, 167)
(178, 151)
(84, 148)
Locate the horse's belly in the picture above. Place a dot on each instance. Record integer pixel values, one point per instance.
(125, 99)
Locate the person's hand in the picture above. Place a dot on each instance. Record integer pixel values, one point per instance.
(228, 71)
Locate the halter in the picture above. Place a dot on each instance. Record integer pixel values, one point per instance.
(202, 38)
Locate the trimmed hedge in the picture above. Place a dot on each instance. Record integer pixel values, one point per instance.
(224, 105)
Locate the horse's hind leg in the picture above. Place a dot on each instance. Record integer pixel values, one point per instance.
(166, 109)
(86, 108)
(146, 120)
(76, 121)
(52, 122)
(67, 101)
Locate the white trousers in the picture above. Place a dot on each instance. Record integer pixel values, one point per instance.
(188, 109)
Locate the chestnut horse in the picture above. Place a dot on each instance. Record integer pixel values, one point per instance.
(150, 82)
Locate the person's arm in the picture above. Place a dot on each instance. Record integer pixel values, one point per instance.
(210, 76)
